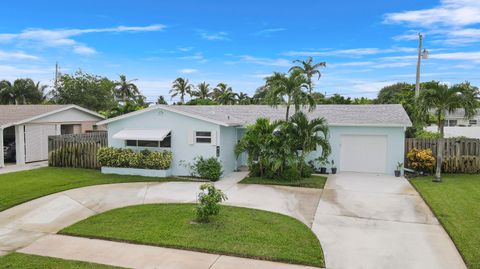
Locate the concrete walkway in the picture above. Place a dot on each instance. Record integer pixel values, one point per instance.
(141, 256)
(16, 168)
(379, 221)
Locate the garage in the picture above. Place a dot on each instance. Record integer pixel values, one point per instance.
(363, 153)
(36, 141)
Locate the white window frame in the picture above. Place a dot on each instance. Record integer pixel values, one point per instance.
(473, 122)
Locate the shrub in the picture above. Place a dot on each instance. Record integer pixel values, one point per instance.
(208, 168)
(421, 160)
(307, 171)
(209, 199)
(427, 134)
(120, 157)
(291, 174)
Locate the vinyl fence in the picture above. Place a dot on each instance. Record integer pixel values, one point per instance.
(461, 155)
(75, 150)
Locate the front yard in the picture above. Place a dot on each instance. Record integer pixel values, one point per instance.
(456, 203)
(25, 261)
(317, 182)
(20, 187)
(235, 231)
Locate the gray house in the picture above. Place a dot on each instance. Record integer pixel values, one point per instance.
(364, 138)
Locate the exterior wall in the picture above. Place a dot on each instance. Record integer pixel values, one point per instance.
(228, 140)
(182, 127)
(20, 143)
(69, 115)
(395, 143)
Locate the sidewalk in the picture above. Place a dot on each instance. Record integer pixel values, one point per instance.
(141, 256)
(23, 167)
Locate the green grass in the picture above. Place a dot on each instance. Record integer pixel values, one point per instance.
(311, 182)
(456, 203)
(235, 231)
(25, 261)
(20, 187)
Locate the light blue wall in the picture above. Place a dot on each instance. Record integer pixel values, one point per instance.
(395, 143)
(228, 140)
(180, 125)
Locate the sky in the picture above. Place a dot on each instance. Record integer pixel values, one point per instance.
(365, 44)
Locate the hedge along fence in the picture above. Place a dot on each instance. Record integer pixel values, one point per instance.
(76, 150)
(127, 158)
(460, 155)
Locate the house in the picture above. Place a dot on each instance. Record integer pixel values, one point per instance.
(456, 125)
(364, 138)
(24, 129)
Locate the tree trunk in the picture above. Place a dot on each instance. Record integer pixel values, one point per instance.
(288, 108)
(440, 145)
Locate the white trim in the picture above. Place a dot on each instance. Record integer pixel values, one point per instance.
(51, 113)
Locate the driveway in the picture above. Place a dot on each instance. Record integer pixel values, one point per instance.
(380, 221)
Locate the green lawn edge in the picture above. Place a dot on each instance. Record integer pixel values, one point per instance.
(73, 230)
(415, 181)
(314, 181)
(29, 261)
(24, 186)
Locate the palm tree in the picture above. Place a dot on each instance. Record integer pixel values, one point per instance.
(182, 87)
(440, 99)
(291, 87)
(161, 100)
(125, 89)
(309, 69)
(224, 94)
(6, 96)
(308, 135)
(243, 99)
(22, 91)
(203, 91)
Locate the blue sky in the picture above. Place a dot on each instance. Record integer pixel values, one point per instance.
(366, 44)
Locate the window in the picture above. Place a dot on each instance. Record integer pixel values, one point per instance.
(472, 122)
(452, 123)
(203, 137)
(131, 143)
(147, 143)
(166, 142)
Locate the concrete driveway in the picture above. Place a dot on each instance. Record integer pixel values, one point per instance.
(380, 221)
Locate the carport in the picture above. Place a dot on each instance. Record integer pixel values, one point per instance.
(24, 129)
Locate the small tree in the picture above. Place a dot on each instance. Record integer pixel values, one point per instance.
(209, 199)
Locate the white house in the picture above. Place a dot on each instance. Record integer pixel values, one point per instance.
(364, 138)
(457, 125)
(24, 129)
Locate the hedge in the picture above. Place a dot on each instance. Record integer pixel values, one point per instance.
(145, 159)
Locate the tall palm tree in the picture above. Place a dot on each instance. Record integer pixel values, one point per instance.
(125, 89)
(224, 94)
(440, 99)
(6, 96)
(291, 87)
(309, 69)
(308, 135)
(182, 87)
(243, 99)
(22, 91)
(203, 91)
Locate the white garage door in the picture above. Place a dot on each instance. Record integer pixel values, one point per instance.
(363, 153)
(36, 142)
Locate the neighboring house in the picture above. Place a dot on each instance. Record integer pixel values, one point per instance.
(24, 129)
(457, 118)
(364, 138)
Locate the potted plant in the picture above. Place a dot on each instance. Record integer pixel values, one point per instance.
(334, 168)
(398, 172)
(323, 164)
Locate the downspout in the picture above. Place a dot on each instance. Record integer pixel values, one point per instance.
(2, 157)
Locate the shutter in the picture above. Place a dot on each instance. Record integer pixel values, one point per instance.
(190, 137)
(214, 138)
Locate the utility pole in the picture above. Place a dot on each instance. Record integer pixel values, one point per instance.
(421, 54)
(56, 76)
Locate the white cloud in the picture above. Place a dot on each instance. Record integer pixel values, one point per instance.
(16, 55)
(448, 13)
(355, 52)
(187, 71)
(195, 57)
(266, 61)
(185, 49)
(218, 36)
(43, 74)
(347, 64)
(63, 37)
(269, 31)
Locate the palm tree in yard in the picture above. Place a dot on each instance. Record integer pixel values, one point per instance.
(182, 87)
(308, 135)
(243, 99)
(439, 99)
(291, 87)
(224, 94)
(203, 91)
(309, 69)
(21, 91)
(125, 89)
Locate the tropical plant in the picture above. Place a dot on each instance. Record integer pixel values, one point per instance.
(21, 91)
(182, 87)
(161, 100)
(121, 157)
(243, 99)
(202, 91)
(309, 69)
(421, 160)
(124, 89)
(209, 199)
(439, 99)
(224, 94)
(291, 87)
(208, 168)
(121, 109)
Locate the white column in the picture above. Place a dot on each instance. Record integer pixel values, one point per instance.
(58, 129)
(2, 161)
(20, 143)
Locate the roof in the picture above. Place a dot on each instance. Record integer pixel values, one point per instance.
(17, 114)
(335, 115)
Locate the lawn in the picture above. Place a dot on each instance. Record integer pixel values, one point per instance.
(25, 261)
(456, 203)
(236, 231)
(20, 187)
(311, 182)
